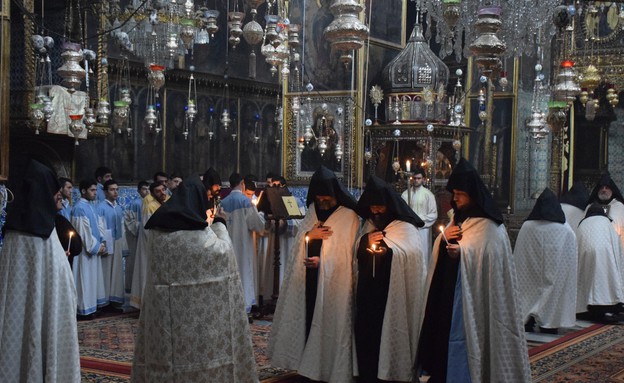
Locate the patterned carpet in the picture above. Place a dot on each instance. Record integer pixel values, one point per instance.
(107, 347)
(592, 355)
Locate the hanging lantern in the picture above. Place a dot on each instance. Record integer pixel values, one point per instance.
(590, 78)
(103, 111)
(308, 134)
(37, 116)
(120, 114)
(346, 32)
(89, 119)
(487, 47)
(451, 12)
(71, 72)
(253, 33)
(322, 144)
(156, 76)
(557, 115)
(76, 126)
(150, 117)
(235, 20)
(187, 32)
(211, 16)
(566, 88)
(338, 151)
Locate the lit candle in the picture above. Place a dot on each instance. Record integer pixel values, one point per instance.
(408, 166)
(71, 234)
(374, 247)
(307, 242)
(443, 236)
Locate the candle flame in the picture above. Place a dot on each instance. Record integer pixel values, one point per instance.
(71, 233)
(374, 247)
(441, 228)
(307, 239)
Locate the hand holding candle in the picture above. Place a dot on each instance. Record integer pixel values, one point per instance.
(71, 234)
(307, 239)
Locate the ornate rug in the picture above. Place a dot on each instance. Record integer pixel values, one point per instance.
(107, 347)
(592, 355)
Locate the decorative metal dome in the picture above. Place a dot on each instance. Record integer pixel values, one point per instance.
(415, 83)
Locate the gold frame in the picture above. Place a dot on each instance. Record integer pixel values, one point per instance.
(292, 160)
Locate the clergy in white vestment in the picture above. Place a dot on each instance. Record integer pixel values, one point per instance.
(87, 266)
(391, 286)
(473, 330)
(243, 219)
(38, 330)
(546, 262)
(313, 322)
(112, 262)
(601, 267)
(132, 223)
(152, 202)
(608, 195)
(193, 326)
(423, 202)
(573, 204)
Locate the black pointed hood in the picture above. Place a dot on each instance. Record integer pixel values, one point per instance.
(324, 182)
(379, 192)
(211, 177)
(605, 180)
(185, 210)
(547, 208)
(576, 196)
(595, 210)
(33, 210)
(466, 178)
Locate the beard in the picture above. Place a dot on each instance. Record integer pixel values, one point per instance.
(604, 197)
(325, 204)
(381, 220)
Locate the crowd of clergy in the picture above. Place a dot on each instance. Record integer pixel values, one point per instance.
(366, 290)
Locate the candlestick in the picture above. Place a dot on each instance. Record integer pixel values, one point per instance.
(71, 233)
(408, 166)
(443, 236)
(374, 249)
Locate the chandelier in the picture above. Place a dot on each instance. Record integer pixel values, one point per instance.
(456, 22)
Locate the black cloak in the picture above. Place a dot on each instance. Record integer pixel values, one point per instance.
(378, 192)
(185, 210)
(466, 178)
(605, 180)
(576, 196)
(211, 177)
(33, 210)
(325, 183)
(547, 208)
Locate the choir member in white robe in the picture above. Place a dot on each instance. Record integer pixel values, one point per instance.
(608, 195)
(601, 267)
(66, 191)
(573, 204)
(193, 326)
(87, 266)
(102, 174)
(38, 330)
(547, 261)
(473, 330)
(313, 322)
(112, 262)
(423, 202)
(152, 202)
(391, 286)
(132, 223)
(243, 219)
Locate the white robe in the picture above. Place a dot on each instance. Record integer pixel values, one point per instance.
(493, 327)
(193, 326)
(616, 213)
(87, 266)
(546, 262)
(327, 354)
(573, 215)
(601, 267)
(423, 202)
(405, 307)
(141, 260)
(38, 330)
(242, 219)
